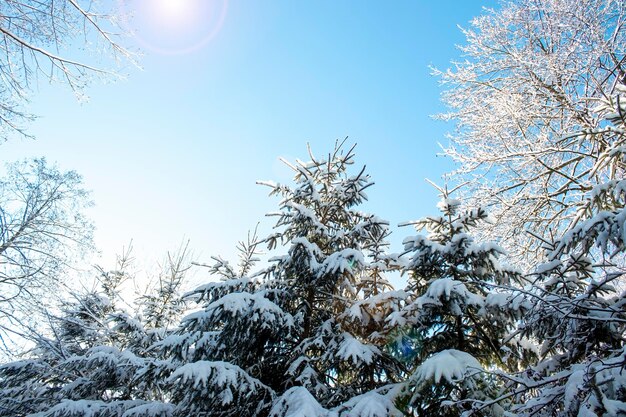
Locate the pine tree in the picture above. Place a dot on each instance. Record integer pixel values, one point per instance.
(304, 333)
(328, 281)
(212, 363)
(77, 363)
(457, 312)
(89, 361)
(162, 306)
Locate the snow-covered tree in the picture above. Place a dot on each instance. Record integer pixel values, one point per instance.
(36, 35)
(88, 360)
(305, 334)
(333, 269)
(529, 83)
(43, 231)
(162, 305)
(212, 364)
(75, 360)
(55, 369)
(458, 313)
(578, 318)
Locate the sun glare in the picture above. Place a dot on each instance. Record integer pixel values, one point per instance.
(174, 27)
(177, 11)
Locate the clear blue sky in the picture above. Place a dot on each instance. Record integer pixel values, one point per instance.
(174, 150)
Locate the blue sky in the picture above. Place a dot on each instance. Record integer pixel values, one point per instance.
(174, 150)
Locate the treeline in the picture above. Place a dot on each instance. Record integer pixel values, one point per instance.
(320, 331)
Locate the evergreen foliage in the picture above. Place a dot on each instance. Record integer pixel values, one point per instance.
(88, 362)
(319, 331)
(295, 323)
(457, 310)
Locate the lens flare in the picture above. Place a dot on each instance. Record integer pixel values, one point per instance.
(173, 27)
(173, 10)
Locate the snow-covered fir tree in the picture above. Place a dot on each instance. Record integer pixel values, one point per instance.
(299, 337)
(321, 332)
(333, 276)
(162, 306)
(87, 364)
(457, 312)
(70, 364)
(210, 365)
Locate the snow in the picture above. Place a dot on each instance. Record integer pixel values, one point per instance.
(420, 242)
(350, 349)
(443, 288)
(171, 341)
(618, 186)
(362, 310)
(306, 376)
(341, 261)
(505, 301)
(614, 407)
(205, 373)
(211, 287)
(370, 404)
(547, 266)
(573, 386)
(97, 408)
(448, 204)
(498, 299)
(298, 402)
(397, 319)
(153, 409)
(602, 229)
(483, 247)
(220, 380)
(268, 183)
(24, 365)
(450, 365)
(307, 214)
(313, 250)
(255, 307)
(448, 290)
(70, 408)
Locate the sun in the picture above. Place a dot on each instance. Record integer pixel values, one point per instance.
(174, 27)
(174, 11)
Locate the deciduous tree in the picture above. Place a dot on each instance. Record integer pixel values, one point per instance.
(43, 229)
(529, 140)
(36, 38)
